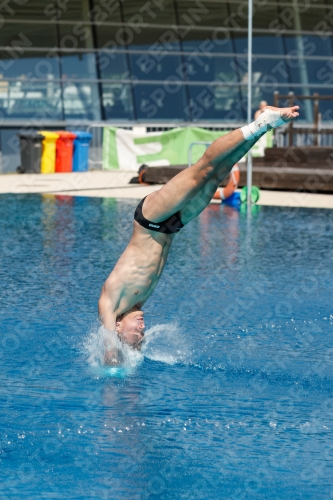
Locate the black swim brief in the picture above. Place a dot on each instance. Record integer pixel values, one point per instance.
(171, 225)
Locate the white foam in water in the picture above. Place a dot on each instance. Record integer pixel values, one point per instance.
(165, 343)
(95, 345)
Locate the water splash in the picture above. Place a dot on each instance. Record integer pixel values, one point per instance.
(98, 342)
(165, 343)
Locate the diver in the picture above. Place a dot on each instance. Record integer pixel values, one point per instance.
(161, 215)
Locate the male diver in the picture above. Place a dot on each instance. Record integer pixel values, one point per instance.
(161, 215)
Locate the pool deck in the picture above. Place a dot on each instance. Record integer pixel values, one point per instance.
(107, 184)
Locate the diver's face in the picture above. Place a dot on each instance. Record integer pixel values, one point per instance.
(131, 329)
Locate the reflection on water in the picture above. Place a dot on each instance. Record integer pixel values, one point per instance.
(231, 394)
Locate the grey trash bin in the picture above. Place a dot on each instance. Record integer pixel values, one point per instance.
(31, 152)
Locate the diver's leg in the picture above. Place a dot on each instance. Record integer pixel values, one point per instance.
(204, 176)
(174, 195)
(204, 195)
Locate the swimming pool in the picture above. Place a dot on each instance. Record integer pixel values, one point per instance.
(233, 396)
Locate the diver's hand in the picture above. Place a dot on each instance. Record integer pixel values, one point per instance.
(113, 357)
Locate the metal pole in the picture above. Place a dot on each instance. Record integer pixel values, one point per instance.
(249, 99)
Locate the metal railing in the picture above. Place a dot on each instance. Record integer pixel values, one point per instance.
(312, 135)
(190, 150)
(97, 131)
(307, 135)
(302, 137)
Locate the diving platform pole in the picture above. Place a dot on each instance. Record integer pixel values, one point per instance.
(249, 99)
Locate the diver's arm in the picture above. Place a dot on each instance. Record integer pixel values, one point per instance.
(106, 312)
(108, 316)
(113, 357)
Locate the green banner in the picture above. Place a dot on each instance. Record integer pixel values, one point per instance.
(128, 149)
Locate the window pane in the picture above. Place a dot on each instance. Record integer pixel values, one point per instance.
(309, 45)
(296, 67)
(160, 102)
(215, 102)
(75, 36)
(28, 10)
(148, 67)
(149, 38)
(111, 37)
(264, 15)
(208, 41)
(141, 11)
(310, 71)
(266, 71)
(260, 93)
(312, 18)
(157, 39)
(113, 66)
(30, 100)
(320, 72)
(76, 10)
(262, 44)
(73, 10)
(210, 69)
(20, 36)
(30, 65)
(117, 101)
(79, 66)
(81, 101)
(105, 11)
(202, 13)
(299, 17)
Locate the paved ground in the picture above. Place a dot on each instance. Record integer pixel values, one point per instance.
(76, 181)
(116, 185)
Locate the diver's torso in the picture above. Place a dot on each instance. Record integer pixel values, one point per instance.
(138, 270)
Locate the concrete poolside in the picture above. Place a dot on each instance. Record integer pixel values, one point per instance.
(115, 184)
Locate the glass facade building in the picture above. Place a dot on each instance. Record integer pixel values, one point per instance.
(68, 61)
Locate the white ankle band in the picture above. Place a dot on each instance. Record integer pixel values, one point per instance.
(267, 120)
(247, 133)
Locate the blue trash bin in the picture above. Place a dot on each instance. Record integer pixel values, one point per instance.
(81, 151)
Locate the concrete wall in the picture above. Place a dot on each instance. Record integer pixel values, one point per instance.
(10, 150)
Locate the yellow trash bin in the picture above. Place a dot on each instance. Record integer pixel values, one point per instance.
(48, 152)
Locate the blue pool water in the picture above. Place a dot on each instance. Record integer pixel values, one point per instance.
(232, 397)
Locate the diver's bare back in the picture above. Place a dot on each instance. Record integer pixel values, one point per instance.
(135, 275)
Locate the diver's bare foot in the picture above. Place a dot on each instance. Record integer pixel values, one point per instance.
(269, 118)
(287, 114)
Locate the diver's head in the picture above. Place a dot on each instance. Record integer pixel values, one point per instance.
(262, 105)
(130, 328)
